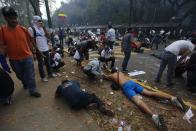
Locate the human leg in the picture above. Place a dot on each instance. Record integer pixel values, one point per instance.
(126, 60)
(47, 62)
(171, 68)
(17, 67)
(177, 101)
(157, 119)
(29, 76)
(163, 64)
(41, 66)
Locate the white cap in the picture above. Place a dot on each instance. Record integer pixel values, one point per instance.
(36, 18)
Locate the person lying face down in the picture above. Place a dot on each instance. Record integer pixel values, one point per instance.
(78, 99)
(131, 89)
(93, 69)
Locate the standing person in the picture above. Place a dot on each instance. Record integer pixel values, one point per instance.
(169, 57)
(126, 48)
(61, 36)
(110, 36)
(39, 33)
(15, 41)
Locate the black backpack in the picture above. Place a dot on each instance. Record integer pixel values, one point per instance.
(6, 84)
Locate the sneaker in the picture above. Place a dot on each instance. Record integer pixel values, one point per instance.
(170, 84)
(54, 75)
(58, 74)
(103, 109)
(156, 81)
(7, 101)
(179, 103)
(45, 79)
(35, 94)
(160, 123)
(124, 71)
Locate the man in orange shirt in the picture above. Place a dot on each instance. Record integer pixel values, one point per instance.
(15, 41)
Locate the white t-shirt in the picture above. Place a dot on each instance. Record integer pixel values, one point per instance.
(111, 36)
(57, 58)
(106, 54)
(41, 40)
(180, 46)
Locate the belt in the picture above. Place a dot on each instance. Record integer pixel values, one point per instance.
(169, 52)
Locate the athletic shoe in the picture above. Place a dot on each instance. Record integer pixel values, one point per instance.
(35, 94)
(179, 103)
(170, 84)
(103, 109)
(45, 79)
(124, 71)
(160, 123)
(54, 75)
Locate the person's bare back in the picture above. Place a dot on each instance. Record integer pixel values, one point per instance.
(118, 77)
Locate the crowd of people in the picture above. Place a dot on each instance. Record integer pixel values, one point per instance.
(22, 46)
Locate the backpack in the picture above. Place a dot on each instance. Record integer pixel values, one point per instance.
(7, 85)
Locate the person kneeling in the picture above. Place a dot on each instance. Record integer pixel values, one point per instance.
(107, 56)
(78, 99)
(56, 60)
(131, 89)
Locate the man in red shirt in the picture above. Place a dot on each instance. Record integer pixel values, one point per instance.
(15, 41)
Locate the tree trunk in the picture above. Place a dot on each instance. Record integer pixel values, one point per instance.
(28, 12)
(35, 4)
(48, 14)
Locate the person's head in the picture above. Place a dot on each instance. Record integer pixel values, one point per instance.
(109, 26)
(114, 70)
(10, 16)
(129, 30)
(60, 87)
(37, 21)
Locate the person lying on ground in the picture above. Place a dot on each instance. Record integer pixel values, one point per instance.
(132, 89)
(77, 99)
(93, 69)
(7, 87)
(107, 56)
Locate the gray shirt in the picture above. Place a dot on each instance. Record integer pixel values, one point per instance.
(126, 42)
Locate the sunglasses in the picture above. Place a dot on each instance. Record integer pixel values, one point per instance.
(39, 21)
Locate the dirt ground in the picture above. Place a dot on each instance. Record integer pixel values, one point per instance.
(125, 110)
(50, 114)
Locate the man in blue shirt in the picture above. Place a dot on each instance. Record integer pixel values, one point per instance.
(126, 48)
(78, 99)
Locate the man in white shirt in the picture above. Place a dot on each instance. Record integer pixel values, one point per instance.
(39, 33)
(169, 57)
(93, 69)
(110, 36)
(107, 56)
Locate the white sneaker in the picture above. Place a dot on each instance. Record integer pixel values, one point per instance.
(58, 74)
(54, 75)
(160, 123)
(45, 79)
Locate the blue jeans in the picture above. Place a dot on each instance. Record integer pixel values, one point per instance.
(126, 59)
(169, 60)
(24, 70)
